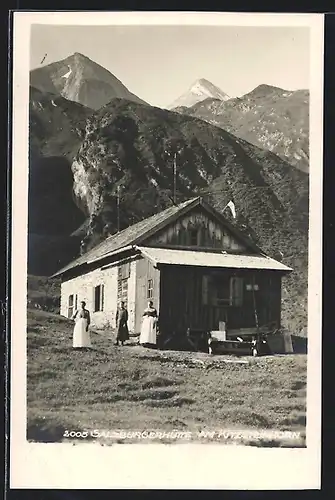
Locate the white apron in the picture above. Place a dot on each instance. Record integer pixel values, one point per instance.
(81, 338)
(148, 330)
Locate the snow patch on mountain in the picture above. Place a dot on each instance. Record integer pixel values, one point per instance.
(68, 73)
(199, 91)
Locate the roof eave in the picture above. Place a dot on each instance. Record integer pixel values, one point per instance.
(193, 203)
(287, 271)
(110, 254)
(93, 261)
(157, 263)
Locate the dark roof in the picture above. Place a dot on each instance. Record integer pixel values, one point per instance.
(138, 232)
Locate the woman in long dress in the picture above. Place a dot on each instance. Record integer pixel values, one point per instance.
(81, 335)
(148, 336)
(122, 332)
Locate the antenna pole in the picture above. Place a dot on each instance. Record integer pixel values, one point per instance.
(175, 177)
(118, 208)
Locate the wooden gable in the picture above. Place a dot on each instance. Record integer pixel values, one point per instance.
(197, 229)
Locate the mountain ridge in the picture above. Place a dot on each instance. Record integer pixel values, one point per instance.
(268, 117)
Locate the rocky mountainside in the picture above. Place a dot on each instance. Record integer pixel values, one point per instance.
(57, 124)
(268, 117)
(79, 79)
(128, 148)
(198, 91)
(57, 127)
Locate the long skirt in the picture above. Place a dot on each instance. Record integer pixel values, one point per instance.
(122, 333)
(148, 331)
(81, 338)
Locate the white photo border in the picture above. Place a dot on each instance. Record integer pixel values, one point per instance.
(186, 466)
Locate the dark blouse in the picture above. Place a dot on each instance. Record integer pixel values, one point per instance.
(82, 313)
(150, 312)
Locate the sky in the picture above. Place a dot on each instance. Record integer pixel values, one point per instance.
(159, 63)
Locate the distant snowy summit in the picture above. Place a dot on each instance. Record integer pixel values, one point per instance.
(200, 90)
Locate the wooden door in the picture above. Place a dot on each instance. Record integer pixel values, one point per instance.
(147, 288)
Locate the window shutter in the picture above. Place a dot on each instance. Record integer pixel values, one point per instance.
(93, 300)
(231, 291)
(236, 290)
(200, 236)
(70, 306)
(102, 298)
(205, 289)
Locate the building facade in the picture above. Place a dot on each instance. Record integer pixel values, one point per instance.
(197, 268)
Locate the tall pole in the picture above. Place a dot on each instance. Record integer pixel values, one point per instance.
(118, 208)
(175, 177)
(255, 308)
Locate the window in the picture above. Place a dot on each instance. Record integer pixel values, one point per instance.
(124, 271)
(229, 291)
(70, 310)
(99, 298)
(223, 292)
(122, 290)
(124, 287)
(250, 287)
(150, 289)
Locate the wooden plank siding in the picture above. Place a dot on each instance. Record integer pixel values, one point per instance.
(145, 271)
(196, 229)
(182, 300)
(123, 282)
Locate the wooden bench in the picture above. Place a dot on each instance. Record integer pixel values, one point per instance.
(217, 343)
(194, 338)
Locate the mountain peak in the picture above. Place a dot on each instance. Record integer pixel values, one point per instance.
(264, 89)
(200, 90)
(203, 81)
(77, 56)
(79, 79)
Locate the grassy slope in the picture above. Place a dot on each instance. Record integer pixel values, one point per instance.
(43, 293)
(133, 388)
